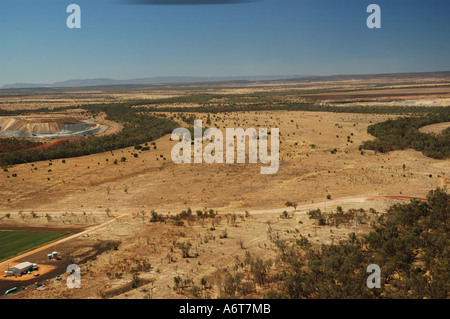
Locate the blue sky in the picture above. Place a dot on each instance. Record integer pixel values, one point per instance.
(267, 37)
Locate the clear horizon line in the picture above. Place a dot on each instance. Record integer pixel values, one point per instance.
(280, 77)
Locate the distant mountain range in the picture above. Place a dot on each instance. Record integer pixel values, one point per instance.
(153, 80)
(199, 79)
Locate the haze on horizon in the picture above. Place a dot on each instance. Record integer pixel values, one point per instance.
(250, 38)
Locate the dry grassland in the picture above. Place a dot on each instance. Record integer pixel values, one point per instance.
(91, 190)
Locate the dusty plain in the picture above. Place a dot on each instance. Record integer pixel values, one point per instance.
(321, 166)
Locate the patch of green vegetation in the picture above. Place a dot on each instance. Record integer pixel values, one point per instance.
(15, 144)
(13, 243)
(404, 133)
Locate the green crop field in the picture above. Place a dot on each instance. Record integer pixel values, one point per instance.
(13, 243)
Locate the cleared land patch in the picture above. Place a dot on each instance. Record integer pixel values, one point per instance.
(435, 128)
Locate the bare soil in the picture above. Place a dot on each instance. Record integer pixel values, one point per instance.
(435, 128)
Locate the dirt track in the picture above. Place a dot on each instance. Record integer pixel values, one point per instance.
(90, 237)
(262, 211)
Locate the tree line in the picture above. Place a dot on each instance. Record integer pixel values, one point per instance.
(16, 144)
(287, 106)
(404, 133)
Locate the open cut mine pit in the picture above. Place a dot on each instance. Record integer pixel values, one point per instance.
(49, 127)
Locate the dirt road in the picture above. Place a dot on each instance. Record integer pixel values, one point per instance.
(299, 208)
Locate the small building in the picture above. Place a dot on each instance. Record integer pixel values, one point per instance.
(21, 268)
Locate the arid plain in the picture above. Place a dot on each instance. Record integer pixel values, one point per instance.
(321, 166)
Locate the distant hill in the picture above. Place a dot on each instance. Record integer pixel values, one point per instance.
(153, 80)
(199, 79)
(24, 86)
